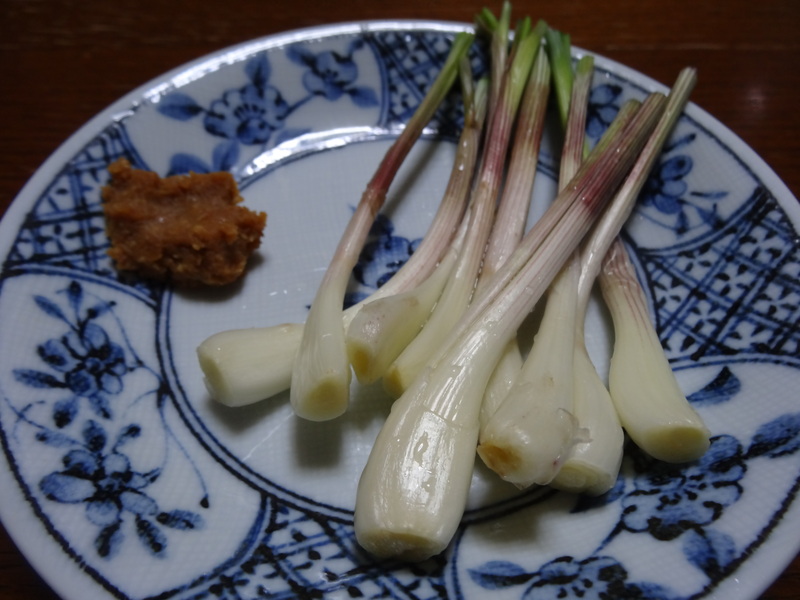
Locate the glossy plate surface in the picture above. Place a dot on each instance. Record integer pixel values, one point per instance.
(122, 479)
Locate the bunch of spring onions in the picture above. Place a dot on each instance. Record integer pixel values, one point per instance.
(442, 333)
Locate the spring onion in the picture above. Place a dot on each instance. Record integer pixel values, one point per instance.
(243, 366)
(532, 431)
(383, 329)
(593, 465)
(320, 386)
(457, 293)
(651, 406)
(512, 213)
(413, 489)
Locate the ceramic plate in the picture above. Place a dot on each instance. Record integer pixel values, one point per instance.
(122, 479)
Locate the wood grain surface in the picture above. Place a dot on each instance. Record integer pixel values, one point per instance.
(61, 62)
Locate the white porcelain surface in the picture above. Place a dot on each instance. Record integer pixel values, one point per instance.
(122, 479)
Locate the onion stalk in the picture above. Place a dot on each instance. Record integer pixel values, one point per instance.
(651, 406)
(413, 489)
(593, 465)
(532, 431)
(243, 366)
(559, 50)
(458, 292)
(377, 335)
(498, 30)
(320, 386)
(512, 214)
(512, 209)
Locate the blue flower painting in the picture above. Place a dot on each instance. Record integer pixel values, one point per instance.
(382, 256)
(248, 115)
(602, 109)
(86, 366)
(671, 499)
(256, 113)
(83, 361)
(100, 477)
(671, 201)
(333, 75)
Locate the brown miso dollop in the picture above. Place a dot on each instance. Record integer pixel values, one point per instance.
(187, 229)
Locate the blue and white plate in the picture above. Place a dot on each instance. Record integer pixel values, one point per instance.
(122, 479)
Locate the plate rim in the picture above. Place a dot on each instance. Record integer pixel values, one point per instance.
(122, 105)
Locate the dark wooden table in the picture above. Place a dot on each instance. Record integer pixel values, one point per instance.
(62, 61)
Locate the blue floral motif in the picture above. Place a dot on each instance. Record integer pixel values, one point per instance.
(250, 114)
(596, 577)
(88, 364)
(382, 256)
(255, 114)
(671, 499)
(103, 480)
(667, 502)
(666, 186)
(720, 390)
(332, 75)
(671, 202)
(710, 551)
(602, 109)
(83, 361)
(223, 157)
(777, 438)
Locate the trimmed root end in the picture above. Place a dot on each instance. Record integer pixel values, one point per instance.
(393, 383)
(214, 379)
(502, 461)
(362, 363)
(676, 444)
(578, 478)
(325, 402)
(401, 545)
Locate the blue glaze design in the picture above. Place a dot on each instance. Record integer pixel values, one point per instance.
(383, 255)
(81, 378)
(257, 112)
(673, 204)
(602, 109)
(665, 501)
(723, 296)
(83, 361)
(103, 480)
(671, 499)
(593, 578)
(333, 75)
